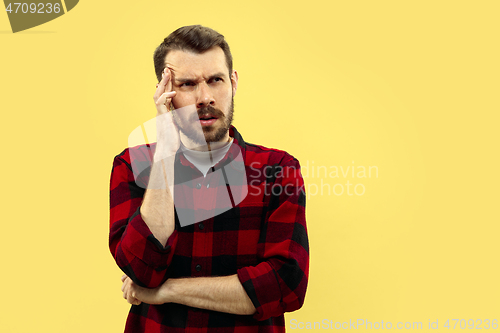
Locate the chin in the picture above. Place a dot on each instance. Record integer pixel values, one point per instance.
(215, 134)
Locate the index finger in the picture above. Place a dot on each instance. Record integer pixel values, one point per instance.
(169, 75)
(162, 87)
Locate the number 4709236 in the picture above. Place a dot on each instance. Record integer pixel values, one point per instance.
(40, 8)
(471, 324)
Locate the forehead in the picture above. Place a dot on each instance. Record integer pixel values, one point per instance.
(188, 64)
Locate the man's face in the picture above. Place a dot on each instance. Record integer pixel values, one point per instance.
(204, 99)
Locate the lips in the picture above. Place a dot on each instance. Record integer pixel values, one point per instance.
(208, 122)
(209, 115)
(207, 119)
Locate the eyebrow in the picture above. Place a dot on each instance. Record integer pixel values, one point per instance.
(211, 77)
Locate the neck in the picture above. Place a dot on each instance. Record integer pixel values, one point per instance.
(206, 146)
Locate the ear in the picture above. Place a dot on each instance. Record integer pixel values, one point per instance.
(234, 81)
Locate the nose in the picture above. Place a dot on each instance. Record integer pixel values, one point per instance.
(205, 96)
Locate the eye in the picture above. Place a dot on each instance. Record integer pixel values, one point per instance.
(216, 79)
(186, 84)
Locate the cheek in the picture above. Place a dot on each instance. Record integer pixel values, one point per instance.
(224, 95)
(228, 97)
(182, 99)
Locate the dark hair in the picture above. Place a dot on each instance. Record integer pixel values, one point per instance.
(193, 38)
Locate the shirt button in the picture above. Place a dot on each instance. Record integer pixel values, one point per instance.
(198, 267)
(208, 185)
(198, 186)
(201, 226)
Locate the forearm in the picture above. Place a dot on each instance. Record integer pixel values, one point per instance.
(223, 294)
(157, 209)
(136, 253)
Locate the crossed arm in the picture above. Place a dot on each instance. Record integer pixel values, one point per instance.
(223, 294)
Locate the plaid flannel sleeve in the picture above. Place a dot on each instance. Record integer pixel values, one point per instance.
(278, 283)
(136, 251)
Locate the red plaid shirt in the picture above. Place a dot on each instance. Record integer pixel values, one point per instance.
(263, 240)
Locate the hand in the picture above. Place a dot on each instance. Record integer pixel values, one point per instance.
(168, 140)
(164, 93)
(128, 290)
(135, 294)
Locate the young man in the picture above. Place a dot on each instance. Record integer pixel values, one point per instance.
(232, 253)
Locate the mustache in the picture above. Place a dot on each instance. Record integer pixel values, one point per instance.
(206, 111)
(210, 111)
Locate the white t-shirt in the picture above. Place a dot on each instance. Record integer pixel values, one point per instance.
(204, 160)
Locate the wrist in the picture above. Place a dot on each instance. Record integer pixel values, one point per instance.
(166, 291)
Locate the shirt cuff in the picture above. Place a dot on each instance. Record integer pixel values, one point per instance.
(261, 284)
(141, 243)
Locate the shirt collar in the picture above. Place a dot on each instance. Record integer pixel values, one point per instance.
(238, 146)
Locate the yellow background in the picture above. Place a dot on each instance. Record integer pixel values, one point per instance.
(409, 87)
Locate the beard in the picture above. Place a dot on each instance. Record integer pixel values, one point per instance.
(190, 125)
